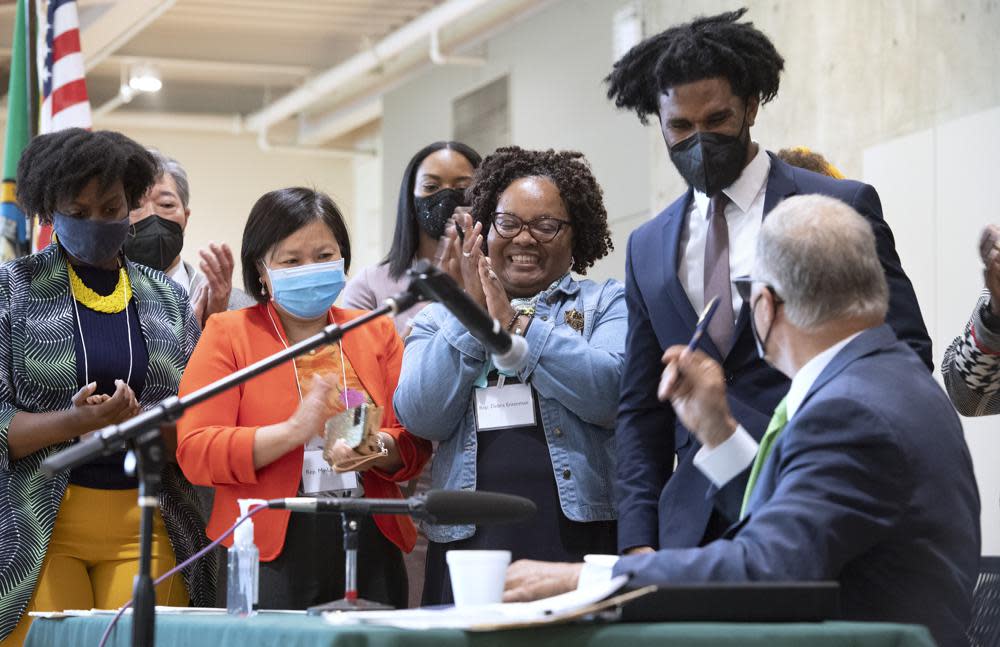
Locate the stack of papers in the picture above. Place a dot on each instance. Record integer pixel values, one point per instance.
(489, 617)
(160, 610)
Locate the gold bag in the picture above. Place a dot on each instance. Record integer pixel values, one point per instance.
(358, 428)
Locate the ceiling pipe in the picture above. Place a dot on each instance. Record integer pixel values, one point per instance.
(340, 121)
(210, 67)
(329, 153)
(124, 96)
(172, 121)
(362, 63)
(344, 120)
(438, 58)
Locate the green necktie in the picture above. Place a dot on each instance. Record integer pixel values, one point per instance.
(778, 422)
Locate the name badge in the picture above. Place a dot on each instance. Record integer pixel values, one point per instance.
(512, 405)
(319, 476)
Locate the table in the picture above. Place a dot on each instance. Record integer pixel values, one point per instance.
(285, 630)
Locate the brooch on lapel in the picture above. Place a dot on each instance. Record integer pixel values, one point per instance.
(575, 319)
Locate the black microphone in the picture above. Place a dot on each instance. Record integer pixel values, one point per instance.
(437, 506)
(510, 352)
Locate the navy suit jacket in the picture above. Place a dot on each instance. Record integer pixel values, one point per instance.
(666, 507)
(871, 484)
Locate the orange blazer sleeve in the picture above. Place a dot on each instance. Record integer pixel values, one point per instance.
(211, 448)
(414, 451)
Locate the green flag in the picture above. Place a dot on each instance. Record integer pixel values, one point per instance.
(15, 225)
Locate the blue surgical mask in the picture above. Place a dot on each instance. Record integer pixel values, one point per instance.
(307, 291)
(94, 242)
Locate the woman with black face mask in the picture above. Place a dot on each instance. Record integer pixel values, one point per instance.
(433, 187)
(87, 339)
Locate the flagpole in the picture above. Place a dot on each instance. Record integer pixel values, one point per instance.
(31, 63)
(31, 29)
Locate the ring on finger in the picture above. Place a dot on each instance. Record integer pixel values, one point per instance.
(467, 254)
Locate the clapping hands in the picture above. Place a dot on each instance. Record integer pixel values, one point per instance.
(989, 251)
(463, 259)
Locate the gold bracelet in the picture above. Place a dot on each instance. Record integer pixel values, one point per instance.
(512, 321)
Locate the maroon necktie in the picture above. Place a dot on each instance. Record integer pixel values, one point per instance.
(717, 282)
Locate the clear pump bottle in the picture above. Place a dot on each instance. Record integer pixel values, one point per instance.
(244, 567)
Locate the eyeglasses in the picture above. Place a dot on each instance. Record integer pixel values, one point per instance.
(507, 225)
(744, 285)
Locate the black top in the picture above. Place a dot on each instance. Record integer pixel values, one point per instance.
(105, 345)
(517, 461)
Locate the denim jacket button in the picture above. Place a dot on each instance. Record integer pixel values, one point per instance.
(566, 474)
(558, 432)
(544, 317)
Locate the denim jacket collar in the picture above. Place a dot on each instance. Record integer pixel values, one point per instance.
(566, 286)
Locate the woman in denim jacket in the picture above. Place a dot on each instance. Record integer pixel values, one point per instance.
(546, 431)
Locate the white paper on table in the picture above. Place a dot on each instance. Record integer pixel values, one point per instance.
(487, 614)
(160, 610)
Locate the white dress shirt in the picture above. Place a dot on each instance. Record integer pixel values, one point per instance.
(727, 460)
(181, 277)
(744, 214)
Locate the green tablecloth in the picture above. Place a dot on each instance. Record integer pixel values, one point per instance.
(301, 631)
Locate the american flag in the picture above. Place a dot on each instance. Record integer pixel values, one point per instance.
(64, 84)
(62, 76)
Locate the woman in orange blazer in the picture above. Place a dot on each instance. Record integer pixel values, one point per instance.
(264, 439)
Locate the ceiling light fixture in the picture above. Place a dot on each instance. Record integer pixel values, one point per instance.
(144, 77)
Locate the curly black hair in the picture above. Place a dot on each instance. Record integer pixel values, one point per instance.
(55, 167)
(708, 47)
(580, 192)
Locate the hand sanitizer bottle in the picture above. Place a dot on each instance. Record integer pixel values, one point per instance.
(244, 567)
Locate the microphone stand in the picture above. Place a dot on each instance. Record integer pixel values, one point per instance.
(350, 522)
(144, 433)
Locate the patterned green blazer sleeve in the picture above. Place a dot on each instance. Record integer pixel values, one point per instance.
(7, 408)
(192, 331)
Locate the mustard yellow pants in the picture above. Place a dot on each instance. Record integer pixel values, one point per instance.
(93, 557)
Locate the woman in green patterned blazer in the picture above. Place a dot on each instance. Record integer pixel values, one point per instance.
(87, 339)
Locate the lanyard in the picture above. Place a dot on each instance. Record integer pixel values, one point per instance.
(343, 365)
(83, 342)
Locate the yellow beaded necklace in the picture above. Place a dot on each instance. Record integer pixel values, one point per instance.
(110, 304)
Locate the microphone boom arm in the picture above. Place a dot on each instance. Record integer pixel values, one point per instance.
(113, 437)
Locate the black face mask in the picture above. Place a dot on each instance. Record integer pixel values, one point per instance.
(155, 242)
(434, 210)
(710, 162)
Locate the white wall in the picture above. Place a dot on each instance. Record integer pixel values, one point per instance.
(937, 191)
(370, 237)
(555, 61)
(229, 173)
(857, 72)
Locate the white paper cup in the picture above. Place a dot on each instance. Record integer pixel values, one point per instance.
(477, 576)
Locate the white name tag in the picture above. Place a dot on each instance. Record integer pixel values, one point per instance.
(504, 407)
(319, 476)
